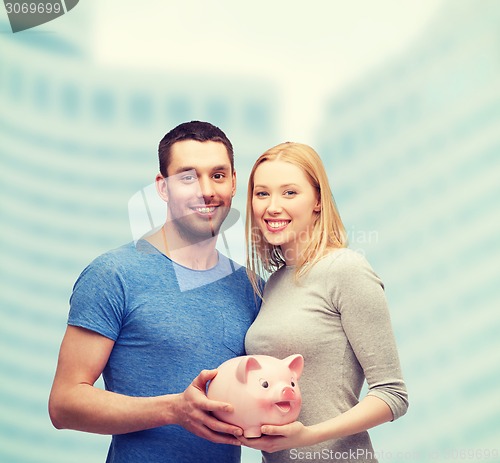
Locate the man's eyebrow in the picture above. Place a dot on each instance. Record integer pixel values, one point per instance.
(180, 170)
(222, 167)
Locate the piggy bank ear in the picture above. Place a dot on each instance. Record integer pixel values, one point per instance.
(246, 364)
(295, 363)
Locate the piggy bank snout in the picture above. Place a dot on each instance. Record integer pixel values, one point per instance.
(288, 393)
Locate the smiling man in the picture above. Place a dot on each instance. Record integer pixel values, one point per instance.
(197, 180)
(133, 320)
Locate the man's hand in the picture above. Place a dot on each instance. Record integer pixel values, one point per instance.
(193, 412)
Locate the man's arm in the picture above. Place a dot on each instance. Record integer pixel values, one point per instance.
(75, 403)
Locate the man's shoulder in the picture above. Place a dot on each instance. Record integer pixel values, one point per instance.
(128, 255)
(115, 255)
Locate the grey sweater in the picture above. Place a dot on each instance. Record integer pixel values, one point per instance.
(336, 316)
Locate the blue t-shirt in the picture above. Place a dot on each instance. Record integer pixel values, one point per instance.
(168, 323)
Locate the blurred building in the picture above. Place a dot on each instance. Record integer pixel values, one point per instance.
(77, 141)
(413, 153)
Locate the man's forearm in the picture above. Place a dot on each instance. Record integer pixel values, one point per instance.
(87, 408)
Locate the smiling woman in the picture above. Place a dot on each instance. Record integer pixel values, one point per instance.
(291, 216)
(323, 301)
(284, 212)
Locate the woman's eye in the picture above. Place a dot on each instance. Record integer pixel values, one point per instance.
(260, 194)
(290, 193)
(188, 178)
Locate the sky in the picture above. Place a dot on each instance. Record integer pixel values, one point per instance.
(309, 48)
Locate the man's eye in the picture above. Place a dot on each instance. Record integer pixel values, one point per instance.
(219, 176)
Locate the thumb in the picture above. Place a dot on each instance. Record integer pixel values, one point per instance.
(282, 430)
(203, 378)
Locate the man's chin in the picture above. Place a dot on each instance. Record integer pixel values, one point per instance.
(198, 233)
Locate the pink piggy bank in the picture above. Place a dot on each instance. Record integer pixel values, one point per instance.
(262, 390)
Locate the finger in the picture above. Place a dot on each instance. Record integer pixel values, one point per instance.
(222, 438)
(215, 406)
(270, 430)
(209, 405)
(203, 378)
(251, 441)
(222, 427)
(218, 437)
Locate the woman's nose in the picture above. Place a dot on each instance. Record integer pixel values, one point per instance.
(274, 206)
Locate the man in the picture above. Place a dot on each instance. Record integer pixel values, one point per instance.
(150, 316)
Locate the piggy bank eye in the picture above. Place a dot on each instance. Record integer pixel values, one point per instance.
(264, 383)
(292, 383)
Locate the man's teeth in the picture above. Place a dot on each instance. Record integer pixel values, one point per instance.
(277, 224)
(205, 210)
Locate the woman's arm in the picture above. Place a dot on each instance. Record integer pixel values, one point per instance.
(370, 412)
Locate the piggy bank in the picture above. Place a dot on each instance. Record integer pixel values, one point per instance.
(262, 390)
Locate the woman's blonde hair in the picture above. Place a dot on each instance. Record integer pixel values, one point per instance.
(327, 232)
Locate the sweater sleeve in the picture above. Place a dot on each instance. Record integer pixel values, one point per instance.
(359, 297)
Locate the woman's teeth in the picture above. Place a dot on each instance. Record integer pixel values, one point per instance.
(277, 224)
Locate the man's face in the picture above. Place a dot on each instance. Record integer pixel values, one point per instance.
(199, 188)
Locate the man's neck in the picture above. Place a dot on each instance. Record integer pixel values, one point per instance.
(200, 255)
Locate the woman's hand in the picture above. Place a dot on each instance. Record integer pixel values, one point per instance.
(275, 438)
(370, 412)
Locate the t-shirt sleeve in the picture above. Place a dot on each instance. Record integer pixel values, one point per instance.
(365, 318)
(98, 299)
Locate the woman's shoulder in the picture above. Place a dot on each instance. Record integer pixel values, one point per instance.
(348, 267)
(344, 258)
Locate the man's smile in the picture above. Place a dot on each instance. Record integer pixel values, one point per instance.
(205, 211)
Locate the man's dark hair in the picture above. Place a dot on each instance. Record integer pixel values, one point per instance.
(194, 130)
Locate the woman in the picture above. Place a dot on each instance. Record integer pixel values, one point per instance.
(323, 301)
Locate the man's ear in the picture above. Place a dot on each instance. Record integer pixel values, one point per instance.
(161, 187)
(233, 191)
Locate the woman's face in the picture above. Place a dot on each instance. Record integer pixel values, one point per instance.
(284, 206)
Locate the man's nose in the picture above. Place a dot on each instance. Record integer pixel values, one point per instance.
(205, 188)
